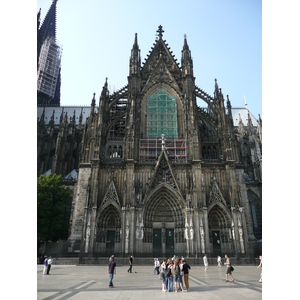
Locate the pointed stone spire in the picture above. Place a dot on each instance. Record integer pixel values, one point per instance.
(104, 92)
(186, 59)
(93, 104)
(249, 124)
(185, 44)
(135, 58)
(229, 107)
(216, 92)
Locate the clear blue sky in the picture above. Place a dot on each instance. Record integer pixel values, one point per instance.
(224, 36)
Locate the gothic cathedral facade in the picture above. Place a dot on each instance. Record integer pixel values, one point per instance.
(157, 175)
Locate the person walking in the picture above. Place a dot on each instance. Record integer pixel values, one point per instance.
(49, 265)
(156, 266)
(111, 269)
(45, 265)
(228, 269)
(186, 268)
(130, 264)
(219, 261)
(205, 262)
(260, 266)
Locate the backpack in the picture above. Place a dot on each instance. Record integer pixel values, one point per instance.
(168, 272)
(176, 270)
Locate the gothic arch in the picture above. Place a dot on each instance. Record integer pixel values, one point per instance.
(163, 205)
(171, 91)
(219, 226)
(108, 219)
(256, 213)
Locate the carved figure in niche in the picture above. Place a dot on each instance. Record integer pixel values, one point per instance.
(87, 238)
(137, 233)
(127, 232)
(202, 234)
(142, 232)
(232, 228)
(241, 234)
(186, 232)
(163, 142)
(192, 233)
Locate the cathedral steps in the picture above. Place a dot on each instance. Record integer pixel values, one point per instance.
(147, 261)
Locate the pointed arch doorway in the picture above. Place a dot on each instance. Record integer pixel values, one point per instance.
(164, 221)
(219, 223)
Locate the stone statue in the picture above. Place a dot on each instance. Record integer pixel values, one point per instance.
(232, 229)
(127, 232)
(241, 234)
(192, 233)
(163, 142)
(186, 233)
(87, 238)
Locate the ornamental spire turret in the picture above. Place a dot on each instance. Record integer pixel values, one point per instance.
(186, 59)
(135, 58)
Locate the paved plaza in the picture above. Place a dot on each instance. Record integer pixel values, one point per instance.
(91, 282)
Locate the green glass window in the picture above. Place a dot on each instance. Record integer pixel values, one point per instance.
(161, 115)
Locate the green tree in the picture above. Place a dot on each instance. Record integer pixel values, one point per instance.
(52, 200)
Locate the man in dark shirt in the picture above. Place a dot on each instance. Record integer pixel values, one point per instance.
(111, 269)
(186, 268)
(130, 264)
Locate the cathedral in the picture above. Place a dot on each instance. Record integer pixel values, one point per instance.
(152, 173)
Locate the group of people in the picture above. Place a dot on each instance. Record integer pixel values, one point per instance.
(227, 263)
(171, 272)
(47, 265)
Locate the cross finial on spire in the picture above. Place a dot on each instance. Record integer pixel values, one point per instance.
(245, 102)
(160, 31)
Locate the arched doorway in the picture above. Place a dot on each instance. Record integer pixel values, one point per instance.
(108, 230)
(219, 224)
(164, 221)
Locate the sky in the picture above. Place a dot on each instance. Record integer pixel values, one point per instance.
(224, 36)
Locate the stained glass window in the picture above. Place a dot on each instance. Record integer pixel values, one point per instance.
(161, 115)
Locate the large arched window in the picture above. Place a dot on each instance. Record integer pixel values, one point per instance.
(256, 212)
(161, 115)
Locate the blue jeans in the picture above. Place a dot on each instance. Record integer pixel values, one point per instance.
(164, 280)
(170, 284)
(111, 276)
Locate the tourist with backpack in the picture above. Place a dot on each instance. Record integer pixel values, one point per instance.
(177, 276)
(169, 275)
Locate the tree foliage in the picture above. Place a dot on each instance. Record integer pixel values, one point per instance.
(52, 199)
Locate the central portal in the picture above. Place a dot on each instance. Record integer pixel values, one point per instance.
(163, 219)
(169, 243)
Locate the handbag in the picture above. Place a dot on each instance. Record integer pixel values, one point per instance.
(231, 268)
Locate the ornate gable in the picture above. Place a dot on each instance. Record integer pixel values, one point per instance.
(158, 54)
(163, 173)
(216, 195)
(111, 196)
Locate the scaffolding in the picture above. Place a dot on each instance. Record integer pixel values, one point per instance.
(161, 115)
(49, 65)
(150, 149)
